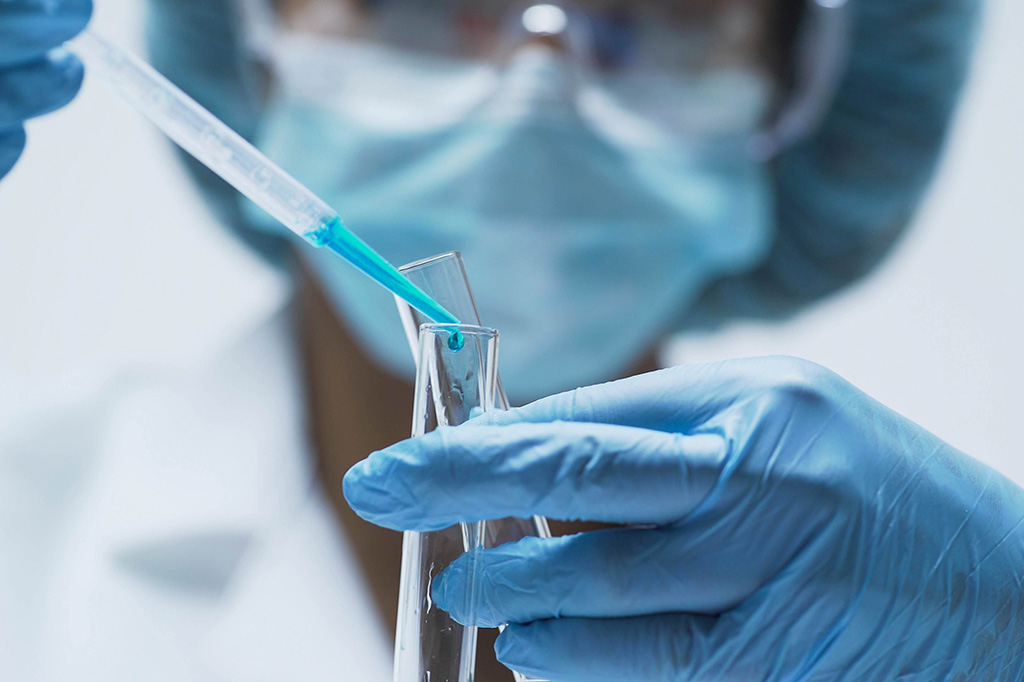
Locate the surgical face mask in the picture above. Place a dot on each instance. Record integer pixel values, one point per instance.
(587, 229)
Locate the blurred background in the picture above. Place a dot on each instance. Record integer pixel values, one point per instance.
(108, 261)
(111, 269)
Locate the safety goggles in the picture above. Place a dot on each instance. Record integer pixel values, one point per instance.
(603, 34)
(799, 46)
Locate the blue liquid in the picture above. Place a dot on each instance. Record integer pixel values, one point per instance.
(341, 241)
(456, 342)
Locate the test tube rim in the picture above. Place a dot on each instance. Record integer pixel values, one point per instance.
(417, 264)
(465, 329)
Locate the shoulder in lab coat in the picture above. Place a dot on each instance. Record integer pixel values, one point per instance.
(170, 529)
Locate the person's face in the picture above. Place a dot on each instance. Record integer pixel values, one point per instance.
(610, 171)
(691, 35)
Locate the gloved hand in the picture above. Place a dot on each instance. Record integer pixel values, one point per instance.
(793, 529)
(35, 78)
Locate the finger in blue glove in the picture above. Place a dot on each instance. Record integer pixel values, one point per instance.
(36, 76)
(802, 531)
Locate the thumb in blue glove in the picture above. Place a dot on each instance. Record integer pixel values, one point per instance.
(794, 529)
(36, 76)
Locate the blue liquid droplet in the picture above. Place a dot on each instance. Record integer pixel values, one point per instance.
(456, 342)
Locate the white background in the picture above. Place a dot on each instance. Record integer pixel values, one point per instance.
(108, 261)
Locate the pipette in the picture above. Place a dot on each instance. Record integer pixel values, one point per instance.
(227, 154)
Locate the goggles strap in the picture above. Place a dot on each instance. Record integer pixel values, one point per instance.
(821, 53)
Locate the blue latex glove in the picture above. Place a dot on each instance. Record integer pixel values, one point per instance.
(803, 532)
(36, 76)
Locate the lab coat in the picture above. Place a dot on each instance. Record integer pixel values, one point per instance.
(159, 518)
(166, 526)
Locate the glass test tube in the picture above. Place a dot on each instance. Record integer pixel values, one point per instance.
(444, 278)
(451, 388)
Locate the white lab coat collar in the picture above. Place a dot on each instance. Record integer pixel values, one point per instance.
(300, 609)
(196, 466)
(200, 550)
